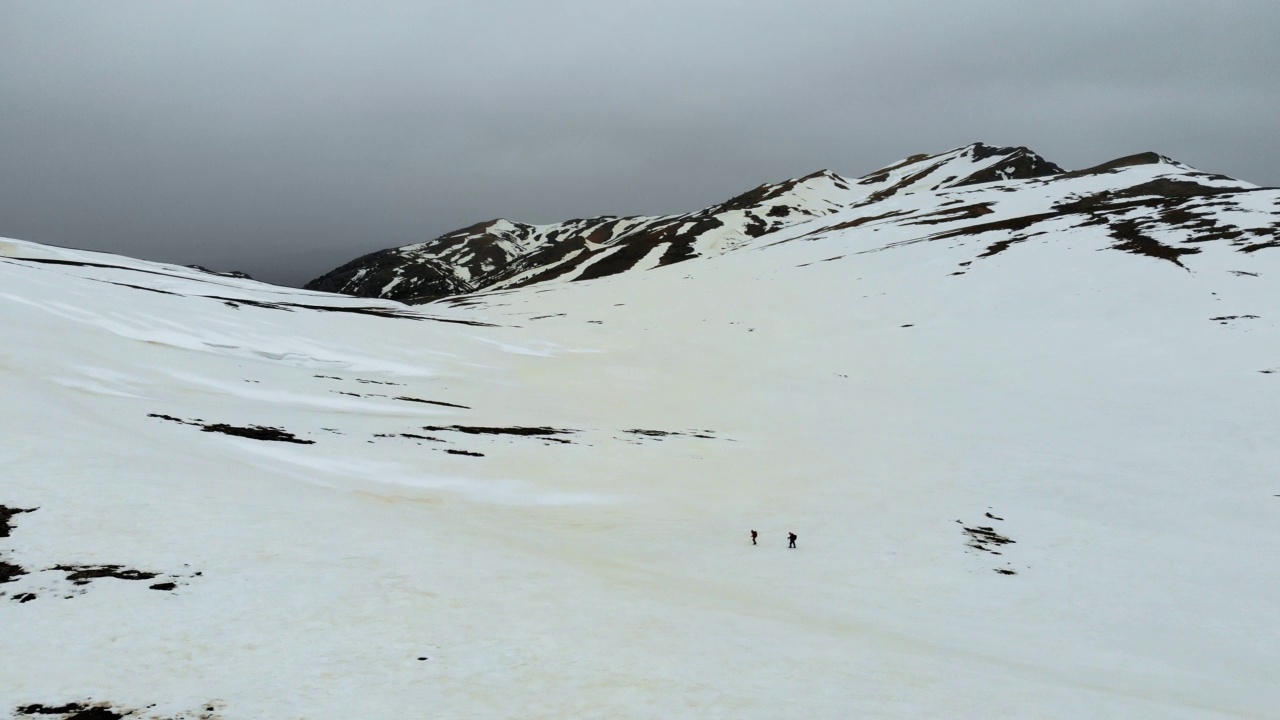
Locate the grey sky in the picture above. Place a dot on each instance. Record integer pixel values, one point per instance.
(285, 138)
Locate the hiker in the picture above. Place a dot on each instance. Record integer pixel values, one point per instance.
(791, 537)
(753, 537)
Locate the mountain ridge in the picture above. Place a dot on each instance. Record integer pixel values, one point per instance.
(501, 253)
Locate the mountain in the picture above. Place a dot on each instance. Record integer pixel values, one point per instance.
(979, 179)
(1023, 427)
(501, 254)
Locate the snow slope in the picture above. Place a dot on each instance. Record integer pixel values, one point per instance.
(902, 396)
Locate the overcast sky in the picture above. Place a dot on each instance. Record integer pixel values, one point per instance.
(285, 138)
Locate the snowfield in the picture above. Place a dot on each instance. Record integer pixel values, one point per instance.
(1038, 482)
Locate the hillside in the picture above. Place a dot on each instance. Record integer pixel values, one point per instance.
(922, 197)
(1022, 421)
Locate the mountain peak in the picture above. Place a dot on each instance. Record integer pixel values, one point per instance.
(970, 164)
(1142, 158)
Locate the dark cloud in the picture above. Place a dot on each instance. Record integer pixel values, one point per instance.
(284, 138)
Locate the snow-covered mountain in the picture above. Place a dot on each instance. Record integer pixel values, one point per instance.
(976, 188)
(503, 254)
(1022, 421)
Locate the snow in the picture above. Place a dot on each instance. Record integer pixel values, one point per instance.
(569, 257)
(394, 282)
(867, 403)
(651, 259)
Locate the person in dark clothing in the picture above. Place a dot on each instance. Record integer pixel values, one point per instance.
(753, 537)
(791, 537)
